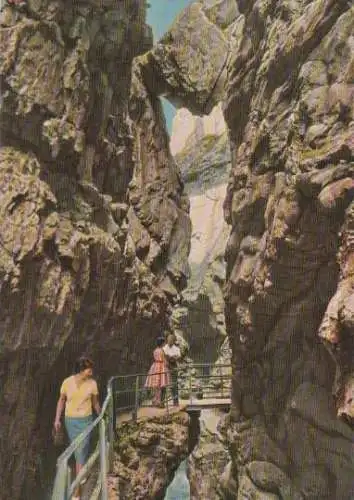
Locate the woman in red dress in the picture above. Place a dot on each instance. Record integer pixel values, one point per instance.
(158, 377)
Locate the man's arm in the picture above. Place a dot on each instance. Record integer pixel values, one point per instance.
(59, 411)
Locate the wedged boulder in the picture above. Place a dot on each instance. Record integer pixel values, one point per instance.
(188, 64)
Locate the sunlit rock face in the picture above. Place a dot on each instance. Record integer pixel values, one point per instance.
(88, 263)
(188, 129)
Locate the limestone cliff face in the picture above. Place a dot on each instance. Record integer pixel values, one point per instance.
(284, 72)
(203, 156)
(100, 259)
(188, 129)
(94, 228)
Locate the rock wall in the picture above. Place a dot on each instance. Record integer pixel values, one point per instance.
(208, 459)
(101, 259)
(284, 72)
(290, 253)
(94, 228)
(146, 456)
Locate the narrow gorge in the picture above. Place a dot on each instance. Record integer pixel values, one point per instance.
(201, 150)
(238, 236)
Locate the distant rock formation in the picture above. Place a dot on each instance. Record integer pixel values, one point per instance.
(204, 164)
(190, 129)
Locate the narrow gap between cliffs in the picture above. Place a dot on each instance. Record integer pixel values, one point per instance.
(200, 147)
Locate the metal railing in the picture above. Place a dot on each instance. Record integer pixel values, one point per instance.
(208, 381)
(126, 394)
(195, 381)
(130, 394)
(64, 487)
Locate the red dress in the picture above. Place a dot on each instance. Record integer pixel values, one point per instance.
(158, 375)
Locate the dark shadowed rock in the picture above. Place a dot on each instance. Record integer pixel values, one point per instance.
(289, 203)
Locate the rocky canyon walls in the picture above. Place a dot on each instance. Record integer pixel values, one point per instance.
(95, 231)
(94, 227)
(207, 462)
(146, 456)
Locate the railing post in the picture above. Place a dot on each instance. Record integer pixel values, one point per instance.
(136, 402)
(190, 386)
(103, 460)
(68, 481)
(111, 434)
(61, 480)
(222, 382)
(114, 407)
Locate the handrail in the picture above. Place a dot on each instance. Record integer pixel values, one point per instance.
(86, 468)
(187, 367)
(63, 484)
(75, 444)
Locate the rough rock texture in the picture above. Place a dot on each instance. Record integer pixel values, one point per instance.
(188, 64)
(207, 461)
(284, 71)
(288, 102)
(146, 456)
(159, 220)
(290, 253)
(88, 262)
